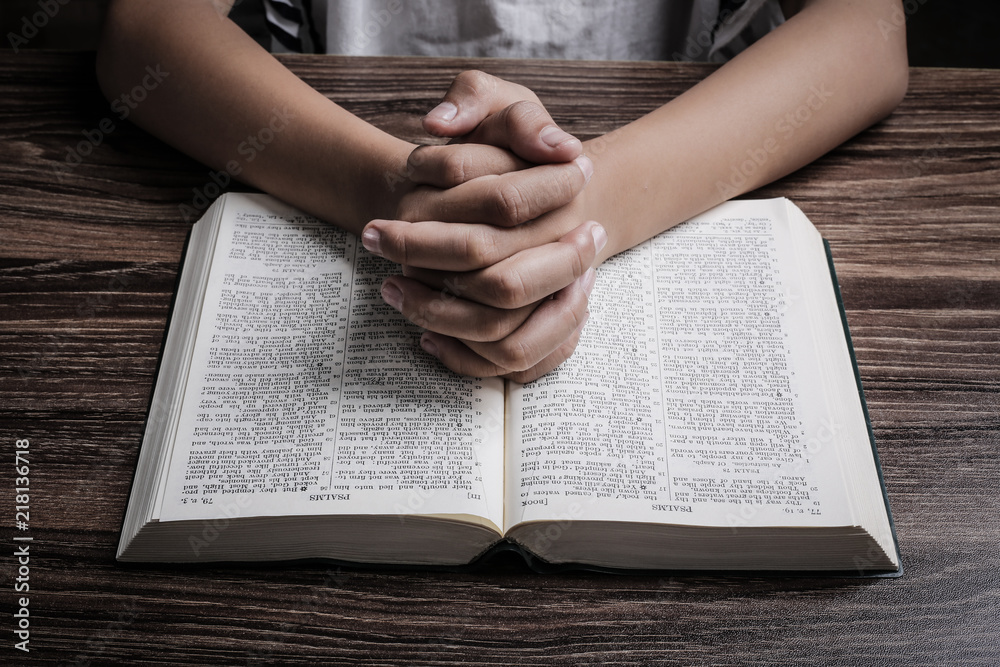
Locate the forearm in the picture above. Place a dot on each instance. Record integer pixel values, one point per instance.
(814, 82)
(228, 103)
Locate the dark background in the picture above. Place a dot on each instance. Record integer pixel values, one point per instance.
(941, 33)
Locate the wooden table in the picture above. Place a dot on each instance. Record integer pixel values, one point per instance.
(88, 259)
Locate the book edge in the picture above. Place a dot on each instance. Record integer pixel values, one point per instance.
(864, 407)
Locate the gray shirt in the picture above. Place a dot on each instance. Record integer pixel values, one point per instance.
(705, 30)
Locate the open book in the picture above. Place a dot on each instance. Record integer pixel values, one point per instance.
(711, 417)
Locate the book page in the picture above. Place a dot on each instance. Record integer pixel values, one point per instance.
(693, 397)
(309, 395)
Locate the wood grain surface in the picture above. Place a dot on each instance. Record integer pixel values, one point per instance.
(88, 262)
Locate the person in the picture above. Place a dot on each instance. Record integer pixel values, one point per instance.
(510, 217)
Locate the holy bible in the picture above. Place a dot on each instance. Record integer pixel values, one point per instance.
(711, 417)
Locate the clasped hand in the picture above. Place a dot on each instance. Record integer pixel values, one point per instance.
(497, 256)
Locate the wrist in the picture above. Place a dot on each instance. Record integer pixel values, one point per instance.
(636, 192)
(344, 170)
(385, 180)
(602, 199)
(375, 182)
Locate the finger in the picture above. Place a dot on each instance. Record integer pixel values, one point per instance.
(551, 362)
(529, 132)
(454, 164)
(473, 96)
(527, 129)
(444, 246)
(447, 246)
(524, 278)
(505, 200)
(443, 312)
(551, 323)
(465, 362)
(541, 343)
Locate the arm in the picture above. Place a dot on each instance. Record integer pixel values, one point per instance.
(814, 82)
(222, 88)
(826, 74)
(226, 101)
(822, 77)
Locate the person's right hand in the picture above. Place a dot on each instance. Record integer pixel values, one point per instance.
(483, 109)
(508, 161)
(474, 183)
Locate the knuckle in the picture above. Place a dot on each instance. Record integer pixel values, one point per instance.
(426, 316)
(454, 168)
(550, 363)
(410, 205)
(514, 355)
(571, 183)
(421, 318)
(406, 209)
(578, 260)
(523, 377)
(496, 328)
(527, 95)
(394, 246)
(578, 308)
(476, 81)
(480, 246)
(525, 111)
(418, 157)
(402, 251)
(565, 351)
(507, 289)
(510, 204)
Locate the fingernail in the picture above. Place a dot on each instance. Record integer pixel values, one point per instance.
(588, 280)
(586, 166)
(554, 137)
(600, 237)
(445, 112)
(429, 346)
(392, 295)
(372, 241)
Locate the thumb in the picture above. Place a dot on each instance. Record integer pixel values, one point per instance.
(485, 109)
(472, 97)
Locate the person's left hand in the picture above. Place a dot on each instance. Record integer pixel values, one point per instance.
(516, 325)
